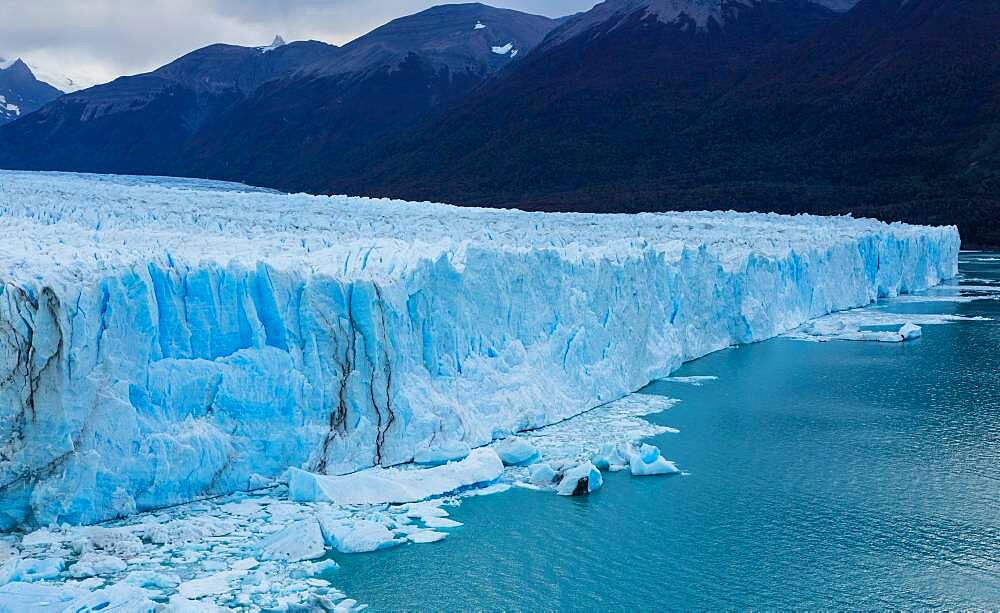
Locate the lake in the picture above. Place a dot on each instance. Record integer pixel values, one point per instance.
(838, 474)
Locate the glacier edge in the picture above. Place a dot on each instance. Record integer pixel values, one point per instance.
(161, 343)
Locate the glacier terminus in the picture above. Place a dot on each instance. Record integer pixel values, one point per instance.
(165, 340)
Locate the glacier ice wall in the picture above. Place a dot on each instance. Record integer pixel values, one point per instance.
(164, 340)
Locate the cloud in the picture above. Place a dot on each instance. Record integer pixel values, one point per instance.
(102, 39)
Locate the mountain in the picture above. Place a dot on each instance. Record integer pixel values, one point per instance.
(603, 104)
(891, 110)
(264, 114)
(137, 124)
(384, 82)
(20, 92)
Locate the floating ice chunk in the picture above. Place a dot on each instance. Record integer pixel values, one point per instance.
(423, 510)
(612, 457)
(388, 485)
(313, 569)
(120, 542)
(180, 604)
(697, 380)
(579, 480)
(441, 453)
(42, 597)
(243, 508)
(542, 473)
(91, 564)
(357, 535)
(152, 579)
(219, 583)
(42, 536)
(426, 536)
(300, 541)
(647, 461)
(441, 522)
(489, 490)
(35, 569)
(347, 606)
(910, 331)
(117, 597)
(59, 598)
(515, 451)
(479, 25)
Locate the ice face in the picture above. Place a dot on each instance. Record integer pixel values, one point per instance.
(167, 340)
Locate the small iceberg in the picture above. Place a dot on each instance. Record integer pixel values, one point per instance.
(647, 461)
(580, 480)
(542, 473)
(348, 535)
(910, 331)
(300, 541)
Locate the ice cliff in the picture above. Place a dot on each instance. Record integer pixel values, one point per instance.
(163, 340)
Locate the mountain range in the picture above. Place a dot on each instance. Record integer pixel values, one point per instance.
(884, 108)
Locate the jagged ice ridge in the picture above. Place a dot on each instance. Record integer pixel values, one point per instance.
(163, 340)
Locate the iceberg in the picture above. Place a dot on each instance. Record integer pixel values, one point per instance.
(351, 535)
(910, 331)
(301, 541)
(165, 340)
(393, 485)
(647, 461)
(580, 480)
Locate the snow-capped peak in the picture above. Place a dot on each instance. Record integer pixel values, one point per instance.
(696, 12)
(278, 42)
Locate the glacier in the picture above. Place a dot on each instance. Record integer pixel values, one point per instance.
(167, 340)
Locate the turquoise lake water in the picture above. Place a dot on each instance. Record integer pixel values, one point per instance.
(818, 475)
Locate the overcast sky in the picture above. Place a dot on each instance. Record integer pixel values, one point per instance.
(97, 40)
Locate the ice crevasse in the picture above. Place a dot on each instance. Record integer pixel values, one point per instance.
(163, 340)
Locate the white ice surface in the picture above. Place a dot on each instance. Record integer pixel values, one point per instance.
(396, 485)
(169, 339)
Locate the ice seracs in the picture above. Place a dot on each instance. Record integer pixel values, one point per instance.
(168, 340)
(437, 453)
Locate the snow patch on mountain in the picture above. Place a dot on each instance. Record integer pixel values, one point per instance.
(686, 13)
(167, 340)
(278, 42)
(504, 49)
(9, 107)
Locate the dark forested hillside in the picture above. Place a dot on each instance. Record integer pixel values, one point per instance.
(891, 110)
